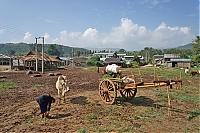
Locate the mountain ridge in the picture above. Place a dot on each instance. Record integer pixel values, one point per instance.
(24, 48)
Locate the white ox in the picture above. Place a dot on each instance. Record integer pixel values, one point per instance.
(112, 68)
(62, 86)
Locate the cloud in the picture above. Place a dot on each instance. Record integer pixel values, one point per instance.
(128, 35)
(153, 2)
(28, 36)
(132, 37)
(2, 31)
(46, 36)
(69, 38)
(90, 33)
(50, 21)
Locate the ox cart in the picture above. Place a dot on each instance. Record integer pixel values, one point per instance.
(109, 87)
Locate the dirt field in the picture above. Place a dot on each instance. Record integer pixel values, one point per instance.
(84, 109)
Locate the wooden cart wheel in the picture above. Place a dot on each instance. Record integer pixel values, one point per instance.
(128, 93)
(107, 91)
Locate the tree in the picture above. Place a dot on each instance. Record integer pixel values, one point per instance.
(183, 55)
(196, 46)
(53, 50)
(172, 51)
(93, 61)
(147, 53)
(134, 64)
(11, 52)
(115, 55)
(78, 53)
(136, 59)
(32, 47)
(121, 51)
(196, 51)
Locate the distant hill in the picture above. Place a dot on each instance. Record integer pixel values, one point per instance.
(101, 49)
(188, 46)
(24, 48)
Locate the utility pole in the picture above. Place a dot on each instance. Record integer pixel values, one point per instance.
(147, 56)
(42, 54)
(72, 57)
(36, 61)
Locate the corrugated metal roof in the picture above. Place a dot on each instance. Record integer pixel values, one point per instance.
(171, 56)
(180, 60)
(80, 60)
(4, 56)
(121, 54)
(113, 60)
(158, 56)
(103, 53)
(129, 56)
(64, 58)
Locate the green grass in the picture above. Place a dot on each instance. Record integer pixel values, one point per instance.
(119, 117)
(91, 116)
(38, 85)
(119, 121)
(181, 95)
(90, 68)
(81, 131)
(31, 120)
(7, 85)
(194, 113)
(191, 89)
(185, 96)
(148, 113)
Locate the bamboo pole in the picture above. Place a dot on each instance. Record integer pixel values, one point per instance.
(180, 79)
(154, 73)
(169, 104)
(140, 75)
(155, 76)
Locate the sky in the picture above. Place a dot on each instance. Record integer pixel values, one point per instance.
(125, 24)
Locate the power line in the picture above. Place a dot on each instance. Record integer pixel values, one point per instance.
(12, 30)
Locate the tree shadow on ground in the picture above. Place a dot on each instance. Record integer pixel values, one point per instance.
(79, 100)
(137, 101)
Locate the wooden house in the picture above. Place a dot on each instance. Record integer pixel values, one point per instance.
(5, 62)
(168, 57)
(181, 63)
(158, 60)
(80, 61)
(117, 61)
(30, 61)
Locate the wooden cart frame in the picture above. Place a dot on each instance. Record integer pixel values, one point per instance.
(108, 87)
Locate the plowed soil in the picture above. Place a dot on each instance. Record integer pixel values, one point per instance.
(83, 109)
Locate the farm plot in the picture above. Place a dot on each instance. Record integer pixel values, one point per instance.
(85, 111)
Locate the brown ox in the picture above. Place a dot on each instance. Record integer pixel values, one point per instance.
(194, 72)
